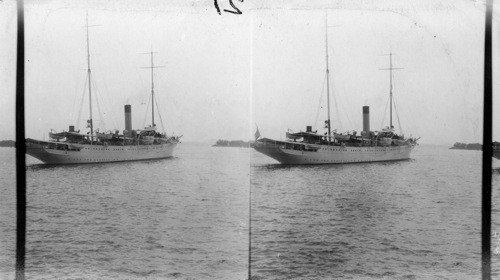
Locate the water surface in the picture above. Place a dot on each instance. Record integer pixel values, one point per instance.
(414, 219)
(179, 218)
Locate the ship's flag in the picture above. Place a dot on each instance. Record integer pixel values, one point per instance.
(257, 134)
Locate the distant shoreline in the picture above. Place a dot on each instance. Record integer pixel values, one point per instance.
(473, 146)
(8, 143)
(233, 143)
(465, 146)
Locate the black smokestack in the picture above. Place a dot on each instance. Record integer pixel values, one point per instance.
(366, 118)
(128, 118)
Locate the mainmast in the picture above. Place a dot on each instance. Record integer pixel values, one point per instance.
(152, 87)
(327, 79)
(390, 90)
(390, 83)
(152, 92)
(89, 75)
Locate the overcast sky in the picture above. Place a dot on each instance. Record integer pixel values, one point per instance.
(225, 74)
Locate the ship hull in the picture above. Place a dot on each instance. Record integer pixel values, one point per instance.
(97, 153)
(336, 154)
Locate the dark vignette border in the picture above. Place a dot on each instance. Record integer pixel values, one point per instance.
(21, 152)
(20, 148)
(487, 147)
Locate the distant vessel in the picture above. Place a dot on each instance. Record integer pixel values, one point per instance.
(69, 147)
(312, 148)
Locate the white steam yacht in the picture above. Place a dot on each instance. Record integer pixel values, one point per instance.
(309, 147)
(70, 147)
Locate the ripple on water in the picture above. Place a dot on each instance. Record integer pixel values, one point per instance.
(416, 219)
(178, 218)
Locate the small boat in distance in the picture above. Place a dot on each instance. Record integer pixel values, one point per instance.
(70, 147)
(309, 147)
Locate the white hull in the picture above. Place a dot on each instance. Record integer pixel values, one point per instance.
(99, 153)
(336, 154)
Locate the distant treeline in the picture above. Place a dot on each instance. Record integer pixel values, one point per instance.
(464, 146)
(7, 143)
(233, 143)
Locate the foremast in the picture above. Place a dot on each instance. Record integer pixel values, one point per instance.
(90, 122)
(327, 80)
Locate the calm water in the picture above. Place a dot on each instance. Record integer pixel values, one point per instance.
(187, 218)
(416, 219)
(181, 218)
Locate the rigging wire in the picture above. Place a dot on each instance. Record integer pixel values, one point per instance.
(348, 118)
(73, 107)
(337, 108)
(101, 121)
(161, 120)
(397, 115)
(319, 105)
(157, 104)
(106, 108)
(147, 111)
(81, 102)
(143, 85)
(396, 109)
(385, 113)
(158, 109)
